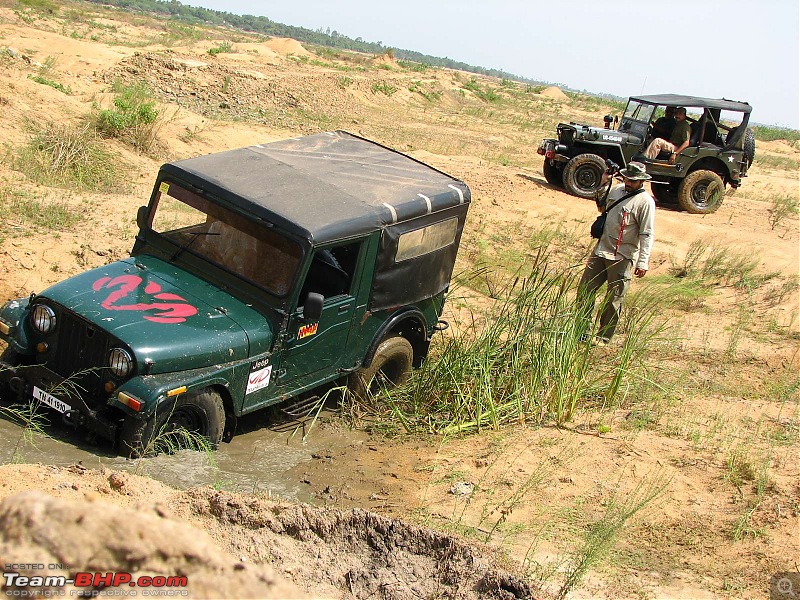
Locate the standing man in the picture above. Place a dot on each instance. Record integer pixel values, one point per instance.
(626, 240)
(678, 141)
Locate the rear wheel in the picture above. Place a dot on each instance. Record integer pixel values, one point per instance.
(701, 192)
(390, 367)
(582, 175)
(553, 173)
(178, 423)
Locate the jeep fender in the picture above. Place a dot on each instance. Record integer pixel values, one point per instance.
(712, 163)
(410, 324)
(152, 390)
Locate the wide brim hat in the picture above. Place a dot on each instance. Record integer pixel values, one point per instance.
(635, 171)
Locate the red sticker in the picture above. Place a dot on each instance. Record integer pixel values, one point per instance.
(307, 330)
(166, 312)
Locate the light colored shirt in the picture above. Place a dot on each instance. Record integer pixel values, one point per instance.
(635, 240)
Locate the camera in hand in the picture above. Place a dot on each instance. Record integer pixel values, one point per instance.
(612, 168)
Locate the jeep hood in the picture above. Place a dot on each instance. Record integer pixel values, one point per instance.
(164, 314)
(601, 135)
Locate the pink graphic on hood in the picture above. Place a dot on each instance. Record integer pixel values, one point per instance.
(166, 312)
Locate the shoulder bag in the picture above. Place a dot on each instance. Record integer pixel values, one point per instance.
(600, 222)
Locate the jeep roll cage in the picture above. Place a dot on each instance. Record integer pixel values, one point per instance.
(708, 106)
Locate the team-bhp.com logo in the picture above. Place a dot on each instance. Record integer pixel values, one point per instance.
(93, 584)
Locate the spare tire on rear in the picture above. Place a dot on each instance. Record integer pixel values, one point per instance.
(749, 146)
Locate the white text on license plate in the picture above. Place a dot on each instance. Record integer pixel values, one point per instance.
(51, 401)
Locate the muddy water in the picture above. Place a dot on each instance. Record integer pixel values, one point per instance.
(269, 455)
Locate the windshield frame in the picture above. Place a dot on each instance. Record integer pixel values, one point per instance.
(255, 237)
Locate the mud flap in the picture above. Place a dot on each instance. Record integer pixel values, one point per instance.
(230, 427)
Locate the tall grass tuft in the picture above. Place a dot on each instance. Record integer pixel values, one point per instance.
(66, 156)
(602, 534)
(526, 361)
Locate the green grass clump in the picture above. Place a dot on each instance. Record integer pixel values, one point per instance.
(67, 156)
(782, 207)
(53, 84)
(413, 66)
(486, 94)
(524, 361)
(134, 118)
(383, 88)
(221, 48)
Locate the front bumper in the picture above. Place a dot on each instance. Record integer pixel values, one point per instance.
(104, 421)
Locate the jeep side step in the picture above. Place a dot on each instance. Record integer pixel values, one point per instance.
(302, 407)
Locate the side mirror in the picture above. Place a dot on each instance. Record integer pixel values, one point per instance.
(312, 309)
(141, 217)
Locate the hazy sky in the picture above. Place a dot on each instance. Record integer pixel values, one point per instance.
(736, 49)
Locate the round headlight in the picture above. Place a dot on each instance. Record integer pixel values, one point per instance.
(120, 362)
(43, 318)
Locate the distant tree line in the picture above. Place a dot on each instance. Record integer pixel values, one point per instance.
(265, 26)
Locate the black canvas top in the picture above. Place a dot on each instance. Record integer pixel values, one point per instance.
(695, 102)
(325, 186)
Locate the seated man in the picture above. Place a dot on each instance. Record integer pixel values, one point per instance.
(678, 142)
(663, 126)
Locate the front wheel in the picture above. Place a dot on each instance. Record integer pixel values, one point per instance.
(553, 173)
(194, 420)
(701, 192)
(664, 193)
(390, 367)
(582, 175)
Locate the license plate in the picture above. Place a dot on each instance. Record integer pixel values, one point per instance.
(50, 400)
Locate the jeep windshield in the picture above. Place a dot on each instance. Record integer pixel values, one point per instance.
(245, 248)
(637, 111)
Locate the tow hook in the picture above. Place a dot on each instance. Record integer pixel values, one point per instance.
(441, 325)
(17, 385)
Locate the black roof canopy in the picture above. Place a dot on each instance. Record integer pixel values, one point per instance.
(325, 186)
(694, 102)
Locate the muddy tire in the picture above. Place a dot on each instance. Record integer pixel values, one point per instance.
(749, 146)
(582, 175)
(553, 173)
(701, 192)
(391, 366)
(200, 413)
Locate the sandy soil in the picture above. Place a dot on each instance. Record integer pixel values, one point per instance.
(740, 409)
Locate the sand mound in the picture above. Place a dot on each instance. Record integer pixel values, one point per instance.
(555, 93)
(88, 537)
(115, 521)
(287, 46)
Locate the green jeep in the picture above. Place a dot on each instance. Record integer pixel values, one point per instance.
(721, 150)
(257, 275)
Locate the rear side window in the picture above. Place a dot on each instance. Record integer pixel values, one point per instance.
(426, 239)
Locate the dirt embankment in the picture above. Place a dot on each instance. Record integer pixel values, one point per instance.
(229, 545)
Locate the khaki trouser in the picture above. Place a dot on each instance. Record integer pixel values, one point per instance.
(617, 274)
(656, 146)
